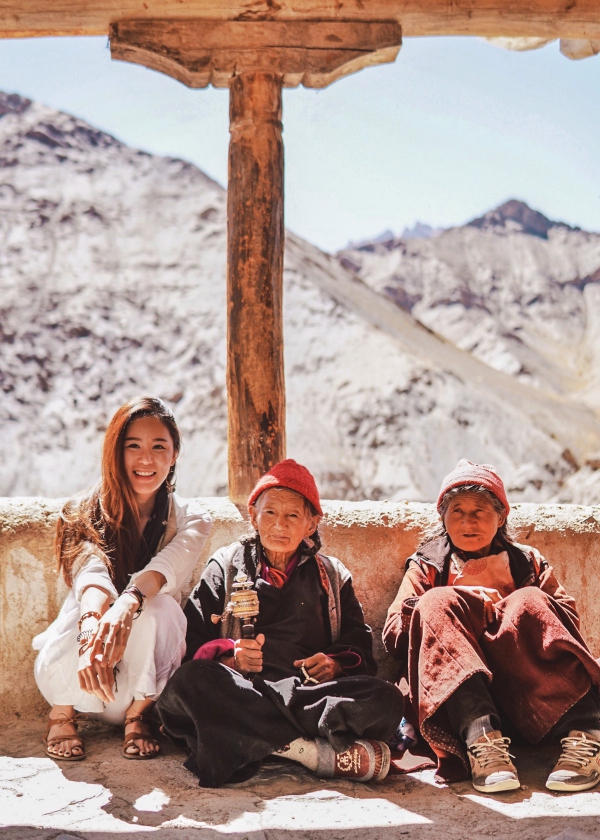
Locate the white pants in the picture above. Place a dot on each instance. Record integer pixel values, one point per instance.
(154, 651)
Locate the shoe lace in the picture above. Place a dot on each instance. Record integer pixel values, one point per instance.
(578, 751)
(491, 751)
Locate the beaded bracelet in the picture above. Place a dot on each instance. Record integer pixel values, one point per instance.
(89, 614)
(308, 680)
(137, 593)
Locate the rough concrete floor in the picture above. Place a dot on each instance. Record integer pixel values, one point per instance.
(106, 795)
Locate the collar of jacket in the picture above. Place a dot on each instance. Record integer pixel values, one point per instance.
(437, 553)
(243, 559)
(252, 556)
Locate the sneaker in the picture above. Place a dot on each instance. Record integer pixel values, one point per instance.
(367, 760)
(578, 767)
(491, 766)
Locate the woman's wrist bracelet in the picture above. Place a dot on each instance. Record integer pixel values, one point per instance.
(138, 594)
(86, 615)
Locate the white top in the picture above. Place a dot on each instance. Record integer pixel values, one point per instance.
(176, 562)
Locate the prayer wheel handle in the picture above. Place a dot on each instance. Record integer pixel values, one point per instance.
(248, 630)
(244, 604)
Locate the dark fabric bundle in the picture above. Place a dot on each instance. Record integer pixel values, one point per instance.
(228, 723)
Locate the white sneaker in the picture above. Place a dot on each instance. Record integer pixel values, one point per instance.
(491, 766)
(578, 767)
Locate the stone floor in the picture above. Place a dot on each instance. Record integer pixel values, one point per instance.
(107, 796)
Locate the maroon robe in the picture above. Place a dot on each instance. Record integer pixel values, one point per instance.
(533, 654)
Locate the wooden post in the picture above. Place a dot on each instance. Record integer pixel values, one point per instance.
(255, 59)
(255, 375)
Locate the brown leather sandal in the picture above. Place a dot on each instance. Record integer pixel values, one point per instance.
(61, 720)
(136, 735)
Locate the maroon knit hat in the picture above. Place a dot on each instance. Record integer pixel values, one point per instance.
(291, 475)
(466, 472)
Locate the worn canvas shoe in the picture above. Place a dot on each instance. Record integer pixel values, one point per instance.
(578, 767)
(491, 766)
(367, 760)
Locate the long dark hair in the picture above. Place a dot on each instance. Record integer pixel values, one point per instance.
(106, 521)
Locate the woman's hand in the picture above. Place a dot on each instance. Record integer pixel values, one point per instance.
(320, 667)
(248, 655)
(114, 628)
(489, 598)
(106, 648)
(94, 676)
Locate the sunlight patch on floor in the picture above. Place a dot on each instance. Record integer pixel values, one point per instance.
(154, 801)
(318, 810)
(34, 792)
(543, 805)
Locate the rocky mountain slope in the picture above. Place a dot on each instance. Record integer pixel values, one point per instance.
(514, 289)
(112, 270)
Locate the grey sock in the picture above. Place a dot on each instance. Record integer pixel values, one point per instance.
(477, 728)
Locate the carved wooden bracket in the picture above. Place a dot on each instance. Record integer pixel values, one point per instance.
(201, 52)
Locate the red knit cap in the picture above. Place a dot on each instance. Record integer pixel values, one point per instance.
(466, 472)
(291, 475)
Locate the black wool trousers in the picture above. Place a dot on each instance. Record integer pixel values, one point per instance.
(228, 723)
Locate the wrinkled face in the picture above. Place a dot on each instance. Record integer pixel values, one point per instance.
(282, 520)
(149, 454)
(471, 523)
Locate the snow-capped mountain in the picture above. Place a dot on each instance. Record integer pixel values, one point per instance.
(112, 272)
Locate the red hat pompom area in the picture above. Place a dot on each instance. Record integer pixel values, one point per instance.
(466, 472)
(291, 475)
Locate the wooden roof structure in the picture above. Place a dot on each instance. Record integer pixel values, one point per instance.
(255, 48)
(578, 19)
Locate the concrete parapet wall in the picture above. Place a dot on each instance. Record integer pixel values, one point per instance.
(372, 538)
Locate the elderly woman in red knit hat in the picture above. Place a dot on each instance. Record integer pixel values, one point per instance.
(487, 636)
(304, 687)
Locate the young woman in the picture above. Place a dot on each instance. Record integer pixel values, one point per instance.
(126, 550)
(488, 637)
(304, 686)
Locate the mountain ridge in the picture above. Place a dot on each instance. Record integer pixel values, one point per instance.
(522, 217)
(113, 275)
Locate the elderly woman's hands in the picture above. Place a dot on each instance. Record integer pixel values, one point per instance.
(248, 655)
(248, 659)
(320, 667)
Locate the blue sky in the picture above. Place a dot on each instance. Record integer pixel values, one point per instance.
(453, 128)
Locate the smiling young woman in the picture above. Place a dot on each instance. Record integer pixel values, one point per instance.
(126, 549)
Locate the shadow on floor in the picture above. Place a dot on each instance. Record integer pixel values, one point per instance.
(106, 796)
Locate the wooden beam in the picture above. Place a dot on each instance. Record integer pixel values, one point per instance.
(255, 375)
(203, 52)
(576, 19)
(576, 50)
